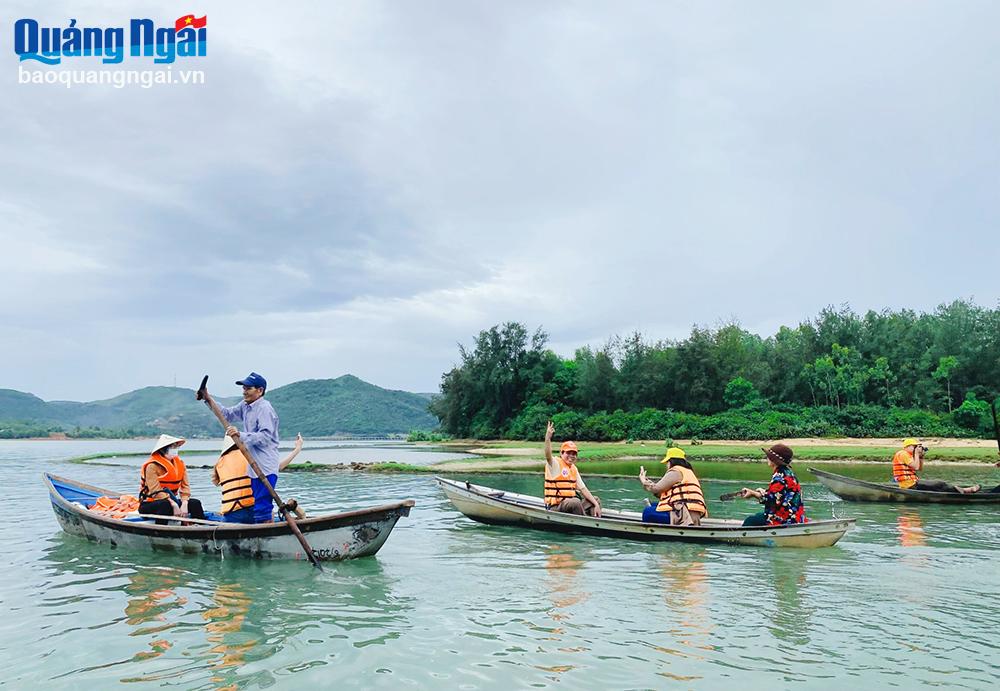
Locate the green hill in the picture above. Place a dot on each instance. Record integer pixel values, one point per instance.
(348, 405)
(316, 407)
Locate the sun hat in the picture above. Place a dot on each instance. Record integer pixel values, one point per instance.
(779, 453)
(910, 441)
(164, 441)
(227, 443)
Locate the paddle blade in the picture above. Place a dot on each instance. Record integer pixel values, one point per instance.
(199, 395)
(729, 496)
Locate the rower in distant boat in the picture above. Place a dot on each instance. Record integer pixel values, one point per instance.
(163, 483)
(908, 460)
(681, 500)
(782, 498)
(563, 480)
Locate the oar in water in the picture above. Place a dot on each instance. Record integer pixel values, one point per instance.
(286, 510)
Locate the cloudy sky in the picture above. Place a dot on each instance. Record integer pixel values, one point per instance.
(359, 186)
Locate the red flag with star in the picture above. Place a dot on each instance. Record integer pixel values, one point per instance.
(190, 20)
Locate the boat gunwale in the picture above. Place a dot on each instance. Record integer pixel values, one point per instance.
(826, 526)
(222, 530)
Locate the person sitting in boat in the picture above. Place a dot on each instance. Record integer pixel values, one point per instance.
(681, 500)
(908, 460)
(782, 499)
(232, 475)
(563, 481)
(163, 483)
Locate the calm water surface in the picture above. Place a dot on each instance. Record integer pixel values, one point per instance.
(909, 598)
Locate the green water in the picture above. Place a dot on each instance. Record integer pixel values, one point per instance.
(909, 598)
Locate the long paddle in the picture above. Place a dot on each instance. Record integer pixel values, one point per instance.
(202, 395)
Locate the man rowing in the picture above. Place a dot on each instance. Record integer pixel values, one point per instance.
(563, 480)
(260, 435)
(908, 460)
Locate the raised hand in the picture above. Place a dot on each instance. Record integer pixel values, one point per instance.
(549, 430)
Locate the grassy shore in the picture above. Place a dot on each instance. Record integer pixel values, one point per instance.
(854, 450)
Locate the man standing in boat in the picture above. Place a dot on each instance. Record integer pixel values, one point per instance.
(260, 434)
(563, 480)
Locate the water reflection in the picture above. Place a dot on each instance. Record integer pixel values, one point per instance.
(789, 616)
(152, 598)
(911, 529)
(202, 622)
(562, 575)
(686, 589)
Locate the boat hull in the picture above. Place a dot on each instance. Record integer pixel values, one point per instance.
(332, 537)
(492, 507)
(850, 489)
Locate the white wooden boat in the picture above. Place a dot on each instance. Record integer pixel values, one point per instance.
(495, 507)
(332, 537)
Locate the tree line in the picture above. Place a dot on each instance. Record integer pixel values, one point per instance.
(887, 373)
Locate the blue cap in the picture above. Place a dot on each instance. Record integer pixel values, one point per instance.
(254, 379)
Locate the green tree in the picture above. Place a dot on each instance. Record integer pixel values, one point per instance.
(946, 367)
(740, 392)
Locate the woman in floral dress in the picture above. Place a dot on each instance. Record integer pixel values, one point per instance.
(782, 499)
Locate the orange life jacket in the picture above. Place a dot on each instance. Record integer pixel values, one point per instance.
(687, 491)
(174, 472)
(560, 486)
(115, 507)
(902, 473)
(234, 481)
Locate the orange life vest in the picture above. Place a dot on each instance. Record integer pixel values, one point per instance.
(115, 507)
(234, 481)
(902, 473)
(687, 491)
(560, 486)
(170, 479)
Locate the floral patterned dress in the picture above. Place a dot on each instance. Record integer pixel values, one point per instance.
(783, 499)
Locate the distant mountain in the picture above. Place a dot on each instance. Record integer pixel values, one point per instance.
(348, 405)
(316, 407)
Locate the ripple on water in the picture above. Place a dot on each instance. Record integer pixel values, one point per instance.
(449, 602)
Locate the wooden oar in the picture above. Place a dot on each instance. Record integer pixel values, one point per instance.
(202, 395)
(729, 496)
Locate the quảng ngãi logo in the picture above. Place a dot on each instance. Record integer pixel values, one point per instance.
(187, 38)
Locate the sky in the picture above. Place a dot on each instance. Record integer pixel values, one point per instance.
(358, 187)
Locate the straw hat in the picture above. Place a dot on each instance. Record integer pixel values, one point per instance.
(166, 440)
(227, 443)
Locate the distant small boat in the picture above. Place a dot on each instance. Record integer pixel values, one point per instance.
(496, 507)
(332, 537)
(858, 490)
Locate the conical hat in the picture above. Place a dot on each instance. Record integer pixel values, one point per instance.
(164, 441)
(227, 443)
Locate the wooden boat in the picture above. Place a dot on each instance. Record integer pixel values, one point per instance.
(495, 507)
(858, 490)
(332, 537)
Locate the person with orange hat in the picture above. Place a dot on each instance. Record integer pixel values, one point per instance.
(681, 500)
(563, 481)
(908, 460)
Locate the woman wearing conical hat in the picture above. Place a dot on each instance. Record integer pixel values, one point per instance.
(163, 483)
